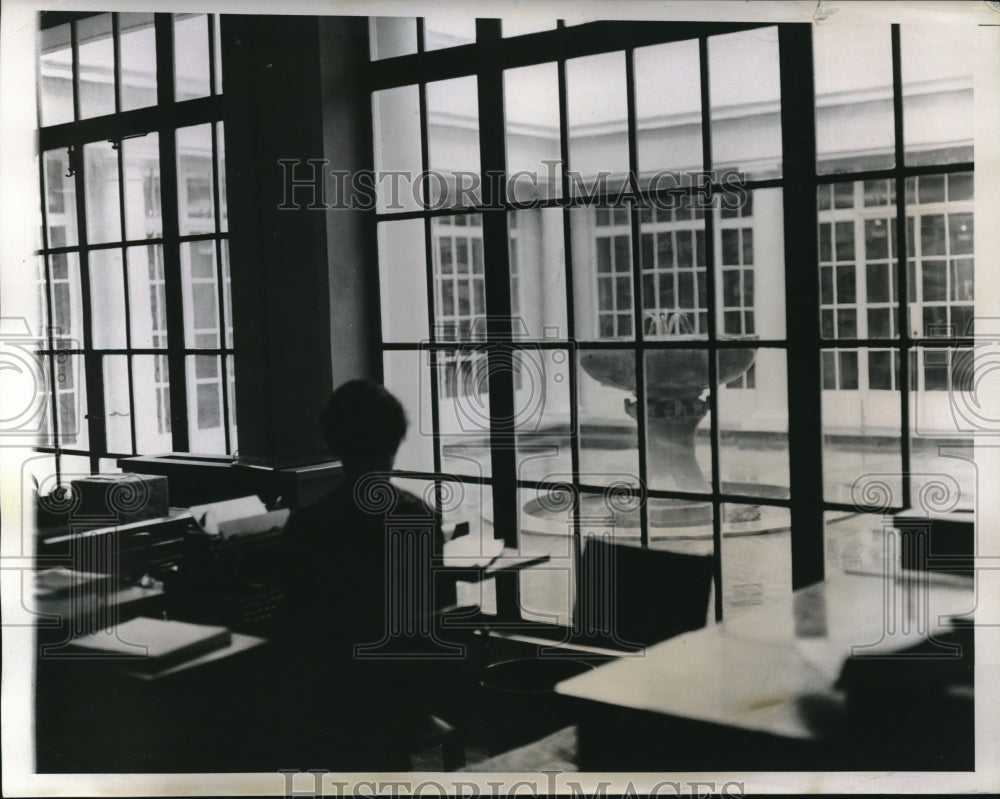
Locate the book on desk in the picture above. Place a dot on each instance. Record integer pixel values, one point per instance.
(152, 644)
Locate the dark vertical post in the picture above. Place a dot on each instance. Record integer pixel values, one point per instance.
(805, 437)
(173, 289)
(711, 317)
(280, 252)
(500, 352)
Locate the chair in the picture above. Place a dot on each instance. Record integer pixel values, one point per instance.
(629, 597)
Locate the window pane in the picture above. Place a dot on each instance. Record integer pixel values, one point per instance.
(392, 36)
(546, 528)
(230, 369)
(216, 21)
(151, 380)
(56, 75)
(862, 464)
(608, 434)
(107, 290)
(101, 179)
(542, 413)
(71, 402)
(453, 141)
(464, 410)
(531, 103)
(538, 274)
(138, 60)
(117, 409)
(882, 372)
(945, 414)
(96, 50)
(459, 283)
(220, 144)
(602, 268)
(668, 108)
(678, 455)
(448, 31)
(141, 166)
(743, 69)
(960, 234)
(937, 67)
(853, 73)
(60, 198)
(204, 388)
(753, 425)
(756, 556)
(407, 375)
(398, 141)
(195, 180)
(147, 297)
(753, 240)
(227, 293)
(403, 280)
(201, 298)
(67, 302)
(597, 117)
(191, 60)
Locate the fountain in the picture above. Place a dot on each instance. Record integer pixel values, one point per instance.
(675, 381)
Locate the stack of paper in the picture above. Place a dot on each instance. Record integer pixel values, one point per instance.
(59, 580)
(153, 643)
(238, 517)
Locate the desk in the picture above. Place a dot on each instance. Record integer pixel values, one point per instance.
(209, 713)
(59, 617)
(764, 679)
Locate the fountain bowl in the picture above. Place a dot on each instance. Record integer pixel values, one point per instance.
(670, 373)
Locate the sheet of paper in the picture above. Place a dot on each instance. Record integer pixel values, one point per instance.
(210, 516)
(471, 550)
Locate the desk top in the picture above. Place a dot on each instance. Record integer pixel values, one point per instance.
(762, 670)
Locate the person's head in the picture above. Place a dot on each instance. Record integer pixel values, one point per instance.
(363, 424)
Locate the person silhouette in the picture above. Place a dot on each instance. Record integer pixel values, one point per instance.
(359, 595)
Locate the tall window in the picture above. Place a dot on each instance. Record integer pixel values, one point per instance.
(639, 347)
(135, 285)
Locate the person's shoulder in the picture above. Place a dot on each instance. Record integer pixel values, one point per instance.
(410, 505)
(314, 515)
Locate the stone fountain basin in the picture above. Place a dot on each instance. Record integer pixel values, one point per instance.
(673, 372)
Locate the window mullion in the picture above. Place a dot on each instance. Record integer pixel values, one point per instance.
(805, 437)
(711, 352)
(173, 288)
(905, 341)
(496, 259)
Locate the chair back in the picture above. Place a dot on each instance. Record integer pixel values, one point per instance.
(629, 597)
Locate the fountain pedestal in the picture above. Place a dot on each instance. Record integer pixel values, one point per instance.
(671, 427)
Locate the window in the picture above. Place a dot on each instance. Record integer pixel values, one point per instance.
(899, 338)
(561, 286)
(135, 235)
(637, 360)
